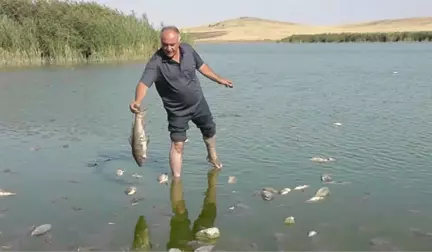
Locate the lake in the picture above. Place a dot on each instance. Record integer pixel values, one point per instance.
(64, 132)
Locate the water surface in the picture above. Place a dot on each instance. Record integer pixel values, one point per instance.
(55, 121)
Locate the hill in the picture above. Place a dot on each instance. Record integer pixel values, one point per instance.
(257, 29)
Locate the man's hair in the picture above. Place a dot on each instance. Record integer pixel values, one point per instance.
(170, 28)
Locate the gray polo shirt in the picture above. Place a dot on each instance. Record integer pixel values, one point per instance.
(177, 83)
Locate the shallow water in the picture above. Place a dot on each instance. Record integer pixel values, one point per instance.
(56, 121)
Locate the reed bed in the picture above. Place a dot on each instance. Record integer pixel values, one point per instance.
(61, 32)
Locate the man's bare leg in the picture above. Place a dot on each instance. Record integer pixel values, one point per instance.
(175, 158)
(212, 157)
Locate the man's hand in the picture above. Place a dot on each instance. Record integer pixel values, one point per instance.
(134, 107)
(207, 72)
(225, 82)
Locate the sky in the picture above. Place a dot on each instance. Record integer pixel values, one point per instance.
(187, 13)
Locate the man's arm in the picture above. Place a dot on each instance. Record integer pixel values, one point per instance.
(208, 72)
(204, 69)
(148, 77)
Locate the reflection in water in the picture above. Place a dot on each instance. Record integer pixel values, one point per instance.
(180, 232)
(141, 240)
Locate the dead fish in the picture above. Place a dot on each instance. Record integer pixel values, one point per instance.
(41, 230)
(322, 160)
(301, 187)
(135, 200)
(6, 193)
(312, 233)
(420, 233)
(323, 192)
(270, 189)
(163, 178)
(139, 140)
(119, 172)
(267, 195)
(130, 190)
(205, 248)
(326, 178)
(232, 180)
(284, 191)
(86, 249)
(136, 175)
(314, 199)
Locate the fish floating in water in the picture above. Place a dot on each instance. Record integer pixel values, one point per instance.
(163, 178)
(284, 191)
(321, 194)
(267, 195)
(136, 175)
(312, 233)
(326, 178)
(119, 172)
(6, 193)
(270, 189)
(300, 187)
(41, 230)
(131, 190)
(322, 160)
(232, 180)
(139, 140)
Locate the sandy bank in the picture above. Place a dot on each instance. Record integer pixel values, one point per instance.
(256, 29)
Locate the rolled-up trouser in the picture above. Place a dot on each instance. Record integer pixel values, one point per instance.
(201, 116)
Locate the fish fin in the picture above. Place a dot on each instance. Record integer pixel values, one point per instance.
(148, 140)
(143, 111)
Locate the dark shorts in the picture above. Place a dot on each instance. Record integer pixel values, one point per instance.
(201, 117)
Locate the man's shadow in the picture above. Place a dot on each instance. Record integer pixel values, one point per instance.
(180, 232)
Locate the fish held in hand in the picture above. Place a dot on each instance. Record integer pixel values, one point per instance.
(139, 140)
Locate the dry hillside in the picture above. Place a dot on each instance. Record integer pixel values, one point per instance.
(256, 29)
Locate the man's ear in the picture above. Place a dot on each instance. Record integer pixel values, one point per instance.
(179, 38)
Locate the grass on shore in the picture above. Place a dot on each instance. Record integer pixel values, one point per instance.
(59, 32)
(425, 36)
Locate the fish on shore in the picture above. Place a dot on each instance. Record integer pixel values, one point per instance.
(6, 193)
(139, 140)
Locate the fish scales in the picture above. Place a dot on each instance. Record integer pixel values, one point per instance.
(139, 140)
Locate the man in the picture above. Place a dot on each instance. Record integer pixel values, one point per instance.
(173, 69)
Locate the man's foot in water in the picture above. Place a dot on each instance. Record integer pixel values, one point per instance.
(215, 162)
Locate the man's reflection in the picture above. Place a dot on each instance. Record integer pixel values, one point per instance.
(180, 232)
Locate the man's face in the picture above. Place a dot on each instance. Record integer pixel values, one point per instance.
(170, 42)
